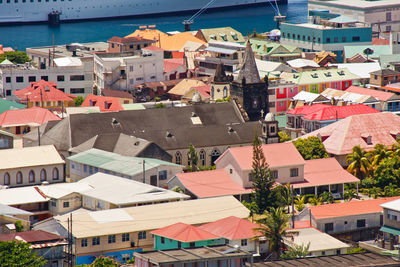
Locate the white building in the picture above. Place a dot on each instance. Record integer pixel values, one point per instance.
(72, 75)
(123, 71)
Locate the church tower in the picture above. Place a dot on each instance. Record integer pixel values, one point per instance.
(249, 90)
(220, 85)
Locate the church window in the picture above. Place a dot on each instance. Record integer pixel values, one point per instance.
(202, 157)
(225, 92)
(178, 158)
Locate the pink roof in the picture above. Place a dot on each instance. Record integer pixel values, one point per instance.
(305, 110)
(32, 116)
(339, 112)
(340, 137)
(211, 183)
(172, 63)
(302, 224)
(184, 233)
(380, 95)
(353, 207)
(204, 90)
(105, 103)
(324, 172)
(276, 155)
(231, 228)
(43, 91)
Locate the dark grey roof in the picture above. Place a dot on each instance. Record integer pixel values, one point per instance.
(249, 70)
(170, 128)
(385, 72)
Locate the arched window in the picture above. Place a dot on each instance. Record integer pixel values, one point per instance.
(43, 175)
(31, 176)
(188, 159)
(225, 92)
(55, 174)
(19, 177)
(178, 158)
(214, 155)
(202, 157)
(6, 178)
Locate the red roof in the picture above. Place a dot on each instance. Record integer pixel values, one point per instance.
(32, 116)
(305, 110)
(203, 90)
(184, 233)
(302, 224)
(127, 40)
(340, 137)
(231, 228)
(380, 95)
(43, 91)
(276, 155)
(211, 184)
(103, 102)
(327, 171)
(339, 112)
(178, 54)
(354, 207)
(172, 63)
(116, 93)
(30, 236)
(378, 41)
(394, 87)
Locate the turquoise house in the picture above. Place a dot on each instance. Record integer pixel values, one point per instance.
(181, 235)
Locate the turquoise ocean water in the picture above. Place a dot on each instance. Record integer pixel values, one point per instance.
(245, 20)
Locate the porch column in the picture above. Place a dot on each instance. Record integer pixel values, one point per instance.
(357, 187)
(315, 190)
(343, 190)
(329, 188)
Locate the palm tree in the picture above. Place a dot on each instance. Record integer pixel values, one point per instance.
(359, 164)
(274, 225)
(300, 203)
(350, 194)
(285, 195)
(379, 153)
(374, 192)
(315, 201)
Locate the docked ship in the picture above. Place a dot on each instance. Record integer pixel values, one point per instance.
(27, 11)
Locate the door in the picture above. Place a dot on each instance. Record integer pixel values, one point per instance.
(153, 180)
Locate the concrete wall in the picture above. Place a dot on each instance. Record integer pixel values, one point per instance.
(389, 218)
(74, 201)
(36, 169)
(173, 244)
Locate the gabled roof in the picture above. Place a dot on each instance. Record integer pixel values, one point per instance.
(322, 76)
(43, 91)
(22, 195)
(385, 72)
(210, 184)
(183, 86)
(232, 228)
(360, 69)
(116, 93)
(338, 112)
(11, 211)
(379, 50)
(352, 208)
(308, 97)
(184, 232)
(128, 40)
(171, 64)
(105, 103)
(226, 34)
(9, 105)
(276, 155)
(302, 63)
(249, 70)
(32, 117)
(340, 137)
(380, 95)
(33, 236)
(348, 97)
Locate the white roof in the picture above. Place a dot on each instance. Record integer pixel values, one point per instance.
(60, 190)
(360, 69)
(21, 195)
(392, 205)
(82, 110)
(123, 191)
(318, 241)
(29, 156)
(301, 63)
(68, 62)
(306, 96)
(148, 217)
(191, 46)
(267, 66)
(360, 3)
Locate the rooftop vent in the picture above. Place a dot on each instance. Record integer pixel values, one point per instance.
(136, 143)
(231, 130)
(194, 115)
(169, 135)
(114, 121)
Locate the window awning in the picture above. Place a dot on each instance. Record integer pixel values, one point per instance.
(390, 230)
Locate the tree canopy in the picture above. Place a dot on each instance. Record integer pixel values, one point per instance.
(78, 101)
(16, 57)
(16, 253)
(310, 148)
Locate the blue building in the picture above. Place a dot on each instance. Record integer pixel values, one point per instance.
(326, 32)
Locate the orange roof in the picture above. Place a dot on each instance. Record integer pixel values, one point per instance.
(105, 103)
(32, 116)
(43, 91)
(276, 155)
(378, 41)
(184, 232)
(211, 184)
(354, 207)
(167, 42)
(231, 228)
(327, 171)
(380, 95)
(340, 137)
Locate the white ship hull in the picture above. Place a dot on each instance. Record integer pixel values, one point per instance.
(25, 11)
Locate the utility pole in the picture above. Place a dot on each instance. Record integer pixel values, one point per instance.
(292, 206)
(38, 131)
(144, 172)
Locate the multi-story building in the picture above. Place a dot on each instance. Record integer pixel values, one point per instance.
(391, 222)
(384, 77)
(123, 71)
(127, 44)
(326, 32)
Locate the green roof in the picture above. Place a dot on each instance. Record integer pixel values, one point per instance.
(6, 62)
(9, 105)
(133, 106)
(265, 47)
(352, 50)
(225, 34)
(322, 76)
(114, 162)
(390, 230)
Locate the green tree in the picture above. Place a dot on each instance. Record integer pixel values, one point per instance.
(193, 158)
(391, 191)
(359, 164)
(18, 253)
(327, 197)
(283, 137)
(374, 192)
(104, 262)
(315, 201)
(296, 251)
(379, 153)
(387, 172)
(349, 194)
(252, 207)
(299, 203)
(263, 193)
(285, 195)
(19, 227)
(311, 148)
(368, 52)
(274, 225)
(16, 57)
(178, 189)
(78, 101)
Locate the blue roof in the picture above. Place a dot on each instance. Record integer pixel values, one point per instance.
(343, 19)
